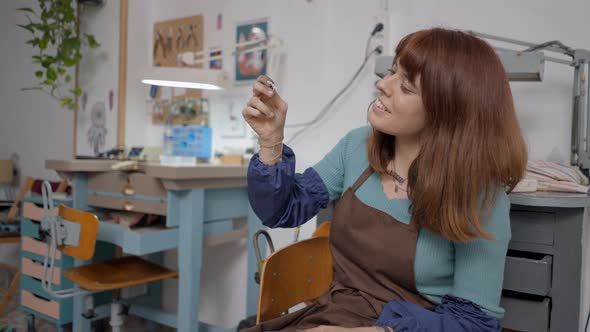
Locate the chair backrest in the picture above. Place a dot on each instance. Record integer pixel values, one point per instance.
(88, 232)
(294, 274)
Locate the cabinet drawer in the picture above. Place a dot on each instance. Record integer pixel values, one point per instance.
(528, 274)
(532, 226)
(128, 204)
(128, 184)
(34, 212)
(34, 246)
(30, 228)
(40, 304)
(35, 269)
(526, 315)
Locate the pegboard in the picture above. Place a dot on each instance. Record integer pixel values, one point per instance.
(170, 38)
(173, 37)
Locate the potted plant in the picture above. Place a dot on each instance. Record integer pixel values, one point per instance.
(55, 34)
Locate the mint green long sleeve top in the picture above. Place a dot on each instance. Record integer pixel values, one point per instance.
(472, 270)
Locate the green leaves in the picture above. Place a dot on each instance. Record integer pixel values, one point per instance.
(27, 10)
(91, 41)
(54, 35)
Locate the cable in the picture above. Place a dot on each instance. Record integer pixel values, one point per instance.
(587, 320)
(326, 108)
(379, 49)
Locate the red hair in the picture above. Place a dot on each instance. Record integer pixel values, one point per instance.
(471, 143)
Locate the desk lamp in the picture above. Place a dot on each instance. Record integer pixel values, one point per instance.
(528, 65)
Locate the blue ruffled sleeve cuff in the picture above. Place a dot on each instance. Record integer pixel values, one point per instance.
(453, 314)
(281, 198)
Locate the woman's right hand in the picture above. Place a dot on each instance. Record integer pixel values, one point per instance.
(266, 112)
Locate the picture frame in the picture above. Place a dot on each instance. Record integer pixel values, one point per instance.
(248, 66)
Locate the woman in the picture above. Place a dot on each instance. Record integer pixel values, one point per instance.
(421, 227)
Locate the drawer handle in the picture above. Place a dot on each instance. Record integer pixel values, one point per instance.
(128, 206)
(128, 190)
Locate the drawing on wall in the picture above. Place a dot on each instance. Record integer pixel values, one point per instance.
(233, 124)
(111, 99)
(84, 100)
(250, 65)
(97, 132)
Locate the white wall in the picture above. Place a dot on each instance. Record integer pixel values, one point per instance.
(543, 109)
(31, 123)
(325, 43)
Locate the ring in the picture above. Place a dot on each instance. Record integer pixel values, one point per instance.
(272, 85)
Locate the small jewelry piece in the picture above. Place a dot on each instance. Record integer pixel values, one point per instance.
(397, 179)
(272, 85)
(276, 156)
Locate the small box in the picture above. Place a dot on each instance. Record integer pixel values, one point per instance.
(232, 159)
(192, 141)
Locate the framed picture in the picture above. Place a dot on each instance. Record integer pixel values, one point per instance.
(251, 64)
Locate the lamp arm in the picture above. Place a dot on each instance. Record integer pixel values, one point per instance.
(566, 50)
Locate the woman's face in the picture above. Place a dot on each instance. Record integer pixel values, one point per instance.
(398, 110)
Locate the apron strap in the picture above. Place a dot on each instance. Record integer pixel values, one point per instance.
(368, 172)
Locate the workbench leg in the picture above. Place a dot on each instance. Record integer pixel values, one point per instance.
(190, 251)
(155, 291)
(80, 192)
(254, 224)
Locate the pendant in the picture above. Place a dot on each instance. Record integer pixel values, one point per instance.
(395, 185)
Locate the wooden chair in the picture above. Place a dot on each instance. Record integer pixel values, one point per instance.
(295, 274)
(108, 275)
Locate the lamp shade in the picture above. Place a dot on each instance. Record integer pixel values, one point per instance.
(523, 66)
(183, 77)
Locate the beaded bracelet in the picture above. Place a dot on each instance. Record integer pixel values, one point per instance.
(275, 156)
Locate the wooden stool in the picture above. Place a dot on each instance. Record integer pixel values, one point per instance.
(117, 273)
(108, 275)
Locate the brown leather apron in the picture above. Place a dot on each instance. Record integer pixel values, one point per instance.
(373, 258)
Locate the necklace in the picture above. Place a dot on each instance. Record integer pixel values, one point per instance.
(397, 179)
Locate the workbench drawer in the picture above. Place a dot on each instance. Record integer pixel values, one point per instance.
(157, 207)
(532, 226)
(126, 183)
(528, 273)
(34, 269)
(34, 212)
(526, 315)
(29, 244)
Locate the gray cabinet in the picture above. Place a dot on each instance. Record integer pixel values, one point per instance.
(542, 274)
(543, 268)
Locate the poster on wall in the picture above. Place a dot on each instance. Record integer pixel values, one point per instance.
(251, 62)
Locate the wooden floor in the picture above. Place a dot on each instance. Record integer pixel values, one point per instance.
(18, 320)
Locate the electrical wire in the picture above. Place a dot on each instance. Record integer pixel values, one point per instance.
(328, 106)
(325, 109)
(379, 49)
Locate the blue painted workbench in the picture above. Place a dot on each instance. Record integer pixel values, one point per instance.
(197, 201)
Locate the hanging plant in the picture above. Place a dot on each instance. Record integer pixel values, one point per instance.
(56, 37)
